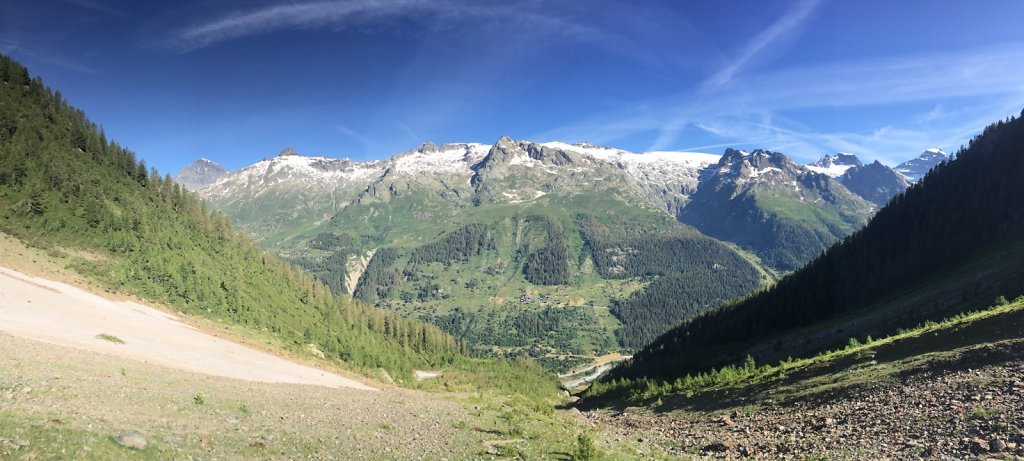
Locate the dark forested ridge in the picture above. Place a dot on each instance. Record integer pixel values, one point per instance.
(549, 265)
(964, 211)
(460, 245)
(63, 183)
(692, 273)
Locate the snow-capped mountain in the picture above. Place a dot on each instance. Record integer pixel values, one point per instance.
(669, 177)
(200, 173)
(291, 190)
(518, 171)
(762, 200)
(916, 168)
(835, 165)
(783, 211)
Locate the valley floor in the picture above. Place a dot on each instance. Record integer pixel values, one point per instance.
(964, 404)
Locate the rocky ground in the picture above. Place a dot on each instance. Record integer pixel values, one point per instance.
(950, 409)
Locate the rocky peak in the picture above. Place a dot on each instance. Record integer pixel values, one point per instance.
(835, 165)
(200, 173)
(548, 155)
(428, 148)
(874, 182)
(503, 151)
(732, 155)
(762, 159)
(741, 165)
(840, 158)
(527, 154)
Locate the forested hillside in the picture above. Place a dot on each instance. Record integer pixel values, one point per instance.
(562, 278)
(689, 274)
(951, 242)
(63, 184)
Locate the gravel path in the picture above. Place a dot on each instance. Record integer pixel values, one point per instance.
(57, 313)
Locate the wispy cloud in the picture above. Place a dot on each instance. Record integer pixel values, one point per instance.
(989, 78)
(346, 13)
(784, 26)
(363, 140)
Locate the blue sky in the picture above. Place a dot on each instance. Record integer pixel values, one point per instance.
(237, 81)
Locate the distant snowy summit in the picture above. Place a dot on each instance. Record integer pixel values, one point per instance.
(915, 168)
(199, 174)
(835, 165)
(874, 182)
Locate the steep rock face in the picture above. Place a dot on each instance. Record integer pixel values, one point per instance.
(199, 174)
(875, 182)
(916, 168)
(784, 212)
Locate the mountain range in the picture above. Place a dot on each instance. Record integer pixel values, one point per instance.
(668, 178)
(322, 186)
(519, 231)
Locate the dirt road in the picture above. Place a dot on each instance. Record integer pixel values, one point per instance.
(57, 313)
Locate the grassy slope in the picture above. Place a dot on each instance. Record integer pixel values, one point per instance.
(859, 364)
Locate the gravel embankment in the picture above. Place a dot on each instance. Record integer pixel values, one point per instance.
(939, 413)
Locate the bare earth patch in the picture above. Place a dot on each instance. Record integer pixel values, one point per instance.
(57, 313)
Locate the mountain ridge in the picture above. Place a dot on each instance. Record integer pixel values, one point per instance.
(669, 177)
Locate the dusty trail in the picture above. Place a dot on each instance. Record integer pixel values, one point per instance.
(57, 313)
